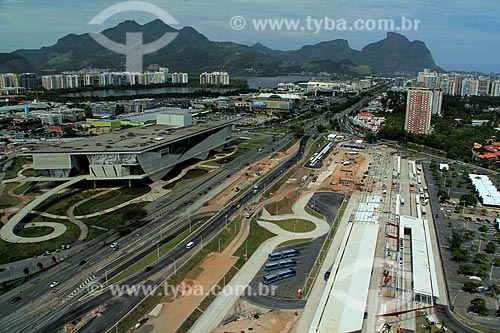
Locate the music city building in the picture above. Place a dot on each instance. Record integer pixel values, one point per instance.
(147, 152)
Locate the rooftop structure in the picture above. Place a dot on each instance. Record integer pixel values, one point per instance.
(136, 153)
(487, 191)
(425, 287)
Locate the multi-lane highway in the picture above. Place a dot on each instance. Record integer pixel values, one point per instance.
(51, 310)
(116, 307)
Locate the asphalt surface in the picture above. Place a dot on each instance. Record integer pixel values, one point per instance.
(285, 295)
(116, 307)
(21, 317)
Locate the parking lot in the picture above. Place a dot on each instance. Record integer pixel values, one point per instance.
(474, 242)
(285, 296)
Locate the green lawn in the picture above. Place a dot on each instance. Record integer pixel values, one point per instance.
(295, 225)
(190, 175)
(16, 166)
(113, 220)
(21, 188)
(34, 231)
(7, 201)
(312, 212)
(110, 200)
(295, 242)
(255, 238)
(13, 252)
(60, 203)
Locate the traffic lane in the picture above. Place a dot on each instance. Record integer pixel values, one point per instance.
(205, 230)
(97, 258)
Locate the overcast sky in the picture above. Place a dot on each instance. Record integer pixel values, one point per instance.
(461, 34)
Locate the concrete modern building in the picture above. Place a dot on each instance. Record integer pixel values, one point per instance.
(147, 152)
(419, 110)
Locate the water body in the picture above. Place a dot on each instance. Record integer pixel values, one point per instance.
(144, 91)
(272, 81)
(255, 82)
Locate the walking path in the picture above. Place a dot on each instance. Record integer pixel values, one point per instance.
(216, 312)
(7, 231)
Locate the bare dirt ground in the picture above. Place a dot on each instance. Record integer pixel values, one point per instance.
(206, 275)
(244, 178)
(345, 178)
(250, 318)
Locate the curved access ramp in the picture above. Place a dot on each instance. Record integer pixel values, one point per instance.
(7, 231)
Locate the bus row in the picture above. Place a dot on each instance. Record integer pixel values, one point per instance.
(280, 275)
(284, 254)
(280, 264)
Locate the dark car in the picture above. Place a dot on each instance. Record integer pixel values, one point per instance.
(16, 299)
(147, 269)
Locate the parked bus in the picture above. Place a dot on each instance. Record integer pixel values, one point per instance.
(402, 201)
(284, 254)
(280, 264)
(271, 266)
(281, 275)
(290, 253)
(275, 255)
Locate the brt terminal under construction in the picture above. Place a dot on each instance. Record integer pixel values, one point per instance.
(145, 152)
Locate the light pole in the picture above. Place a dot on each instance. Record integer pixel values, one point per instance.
(201, 242)
(158, 250)
(175, 267)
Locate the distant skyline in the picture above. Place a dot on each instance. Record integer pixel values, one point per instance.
(461, 34)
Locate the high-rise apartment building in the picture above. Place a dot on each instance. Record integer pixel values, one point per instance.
(419, 109)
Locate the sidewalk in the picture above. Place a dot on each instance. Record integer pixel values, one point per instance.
(216, 312)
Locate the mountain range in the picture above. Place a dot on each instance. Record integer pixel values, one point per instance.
(193, 52)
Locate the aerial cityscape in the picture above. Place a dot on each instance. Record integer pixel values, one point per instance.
(169, 168)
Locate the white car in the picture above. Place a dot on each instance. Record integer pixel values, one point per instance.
(54, 284)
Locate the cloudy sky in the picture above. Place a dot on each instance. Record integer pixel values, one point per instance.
(461, 34)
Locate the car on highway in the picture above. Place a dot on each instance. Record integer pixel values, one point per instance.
(54, 284)
(147, 269)
(189, 245)
(16, 299)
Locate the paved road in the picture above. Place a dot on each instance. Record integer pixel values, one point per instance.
(116, 307)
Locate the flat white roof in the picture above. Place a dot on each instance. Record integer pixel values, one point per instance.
(424, 271)
(369, 210)
(487, 190)
(342, 305)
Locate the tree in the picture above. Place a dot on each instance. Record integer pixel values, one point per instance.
(468, 199)
(443, 196)
(54, 260)
(460, 255)
(478, 305)
(490, 248)
(320, 128)
(471, 286)
(483, 228)
(496, 262)
(26, 270)
(466, 270)
(88, 111)
(134, 215)
(371, 137)
(480, 258)
(494, 290)
(40, 265)
(69, 132)
(456, 239)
